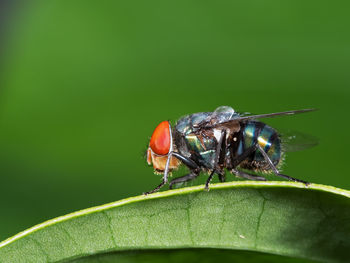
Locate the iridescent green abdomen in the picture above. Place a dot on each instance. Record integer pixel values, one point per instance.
(257, 132)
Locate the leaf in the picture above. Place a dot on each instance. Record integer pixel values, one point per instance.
(281, 218)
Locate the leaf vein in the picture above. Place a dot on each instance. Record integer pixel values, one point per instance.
(259, 218)
(41, 249)
(189, 219)
(109, 220)
(61, 227)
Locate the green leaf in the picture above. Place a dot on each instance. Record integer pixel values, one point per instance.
(281, 218)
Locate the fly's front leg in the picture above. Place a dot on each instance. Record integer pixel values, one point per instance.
(195, 170)
(186, 161)
(275, 170)
(165, 176)
(157, 188)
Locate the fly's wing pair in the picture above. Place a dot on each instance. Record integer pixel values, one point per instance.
(291, 140)
(222, 115)
(225, 114)
(276, 114)
(294, 141)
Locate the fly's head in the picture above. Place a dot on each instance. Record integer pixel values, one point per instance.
(160, 146)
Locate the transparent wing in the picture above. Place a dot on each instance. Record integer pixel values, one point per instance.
(270, 115)
(221, 114)
(294, 141)
(239, 117)
(224, 113)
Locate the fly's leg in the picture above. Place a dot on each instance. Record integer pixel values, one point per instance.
(165, 176)
(248, 176)
(275, 170)
(157, 188)
(236, 161)
(222, 177)
(219, 159)
(209, 179)
(195, 169)
(186, 161)
(185, 178)
(246, 154)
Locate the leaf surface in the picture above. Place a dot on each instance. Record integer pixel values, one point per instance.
(281, 218)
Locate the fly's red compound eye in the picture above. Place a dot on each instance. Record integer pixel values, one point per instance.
(160, 140)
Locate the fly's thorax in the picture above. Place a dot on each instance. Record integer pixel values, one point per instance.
(199, 147)
(188, 124)
(197, 135)
(186, 141)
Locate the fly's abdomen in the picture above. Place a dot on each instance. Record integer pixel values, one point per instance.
(254, 132)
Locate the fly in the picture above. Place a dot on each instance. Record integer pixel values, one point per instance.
(214, 141)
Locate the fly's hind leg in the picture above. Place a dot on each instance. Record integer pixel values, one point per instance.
(275, 170)
(236, 161)
(222, 177)
(248, 176)
(182, 179)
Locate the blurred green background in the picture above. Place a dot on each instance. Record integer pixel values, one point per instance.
(84, 83)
